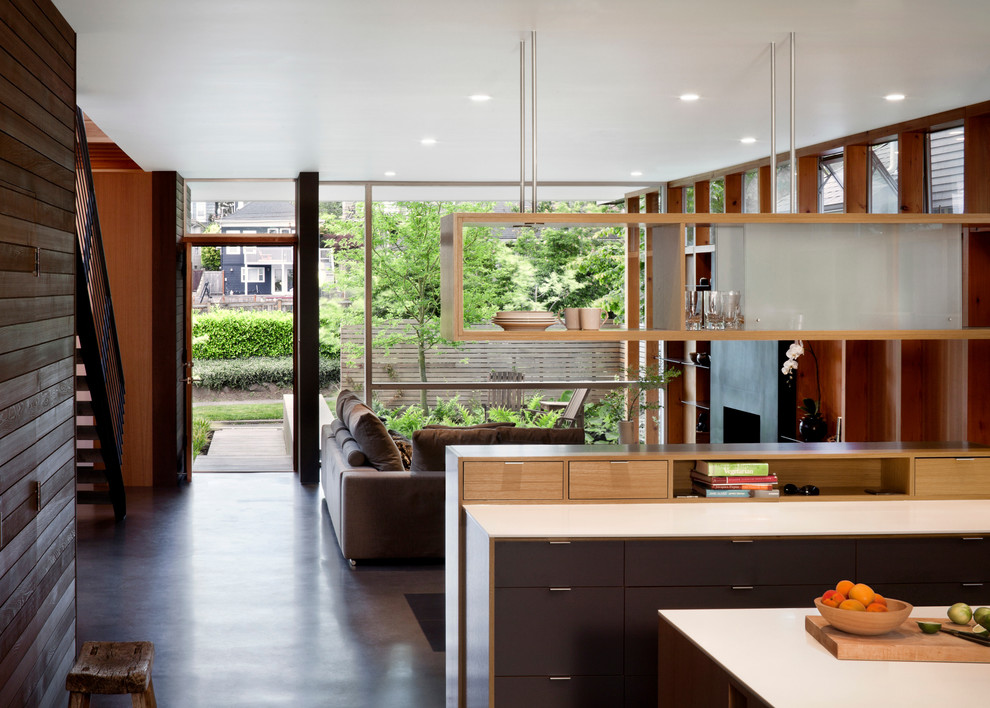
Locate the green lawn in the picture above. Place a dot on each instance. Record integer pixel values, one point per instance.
(239, 411)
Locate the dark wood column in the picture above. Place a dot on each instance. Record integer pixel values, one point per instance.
(766, 190)
(857, 187)
(734, 197)
(807, 185)
(677, 416)
(306, 353)
(911, 172)
(652, 206)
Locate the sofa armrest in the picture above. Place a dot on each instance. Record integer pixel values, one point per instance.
(391, 514)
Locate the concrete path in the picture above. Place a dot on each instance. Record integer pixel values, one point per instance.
(245, 448)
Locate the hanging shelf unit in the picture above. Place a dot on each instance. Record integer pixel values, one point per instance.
(807, 276)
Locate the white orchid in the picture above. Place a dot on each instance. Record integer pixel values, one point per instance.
(793, 352)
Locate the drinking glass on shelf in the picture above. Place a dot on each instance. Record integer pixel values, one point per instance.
(693, 304)
(713, 310)
(731, 314)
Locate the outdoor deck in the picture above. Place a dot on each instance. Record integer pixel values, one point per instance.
(245, 448)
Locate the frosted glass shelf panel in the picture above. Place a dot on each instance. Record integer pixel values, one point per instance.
(877, 276)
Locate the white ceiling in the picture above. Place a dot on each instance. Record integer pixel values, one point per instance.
(348, 88)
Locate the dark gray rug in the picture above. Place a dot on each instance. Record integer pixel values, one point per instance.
(428, 608)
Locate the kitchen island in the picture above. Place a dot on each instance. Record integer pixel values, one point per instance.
(750, 658)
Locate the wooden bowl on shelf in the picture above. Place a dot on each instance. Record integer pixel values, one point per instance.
(866, 623)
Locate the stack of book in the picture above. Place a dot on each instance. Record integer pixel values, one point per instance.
(733, 479)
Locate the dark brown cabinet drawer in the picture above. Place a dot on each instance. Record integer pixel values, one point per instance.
(558, 692)
(558, 632)
(642, 605)
(923, 560)
(739, 562)
(944, 594)
(550, 563)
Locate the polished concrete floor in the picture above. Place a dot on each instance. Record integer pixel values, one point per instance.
(239, 582)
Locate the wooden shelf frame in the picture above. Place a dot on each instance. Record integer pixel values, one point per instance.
(668, 252)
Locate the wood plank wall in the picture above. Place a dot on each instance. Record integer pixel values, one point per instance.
(37, 342)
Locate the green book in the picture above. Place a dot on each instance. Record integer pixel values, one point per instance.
(729, 468)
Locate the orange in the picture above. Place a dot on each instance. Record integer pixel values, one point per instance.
(876, 607)
(844, 586)
(852, 605)
(879, 599)
(833, 598)
(863, 593)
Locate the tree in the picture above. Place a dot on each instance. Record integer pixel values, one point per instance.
(406, 273)
(210, 256)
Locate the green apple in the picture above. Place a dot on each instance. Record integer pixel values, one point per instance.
(960, 613)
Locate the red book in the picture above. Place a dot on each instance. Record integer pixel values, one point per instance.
(765, 481)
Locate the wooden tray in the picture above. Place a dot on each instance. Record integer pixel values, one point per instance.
(906, 643)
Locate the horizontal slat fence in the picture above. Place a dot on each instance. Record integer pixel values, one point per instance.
(473, 362)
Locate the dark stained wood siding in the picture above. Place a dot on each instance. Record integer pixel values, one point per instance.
(37, 336)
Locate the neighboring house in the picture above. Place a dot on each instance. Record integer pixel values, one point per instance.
(258, 270)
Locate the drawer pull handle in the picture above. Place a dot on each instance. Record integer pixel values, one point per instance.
(620, 462)
(559, 678)
(559, 589)
(965, 459)
(742, 587)
(513, 463)
(972, 585)
(742, 540)
(972, 538)
(559, 543)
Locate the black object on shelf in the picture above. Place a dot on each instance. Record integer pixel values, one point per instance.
(702, 426)
(704, 284)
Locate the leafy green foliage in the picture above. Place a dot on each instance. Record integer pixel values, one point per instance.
(200, 434)
(210, 256)
(623, 403)
(217, 374)
(232, 334)
(452, 412)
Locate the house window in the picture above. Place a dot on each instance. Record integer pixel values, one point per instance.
(252, 275)
(751, 192)
(250, 250)
(233, 250)
(945, 171)
(883, 178)
(831, 172)
(273, 231)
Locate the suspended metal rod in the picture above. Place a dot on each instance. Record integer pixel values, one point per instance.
(793, 145)
(532, 55)
(773, 127)
(522, 126)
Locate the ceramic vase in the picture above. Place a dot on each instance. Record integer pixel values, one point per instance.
(628, 432)
(813, 428)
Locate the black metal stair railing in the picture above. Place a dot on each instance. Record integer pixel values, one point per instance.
(96, 327)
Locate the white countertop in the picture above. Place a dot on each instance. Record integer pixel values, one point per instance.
(769, 651)
(803, 518)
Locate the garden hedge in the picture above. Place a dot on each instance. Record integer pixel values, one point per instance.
(244, 373)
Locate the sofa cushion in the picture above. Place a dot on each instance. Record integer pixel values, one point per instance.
(373, 437)
(342, 397)
(430, 445)
(349, 446)
(541, 436)
(404, 445)
(336, 425)
(437, 426)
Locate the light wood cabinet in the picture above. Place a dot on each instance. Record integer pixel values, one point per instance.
(513, 480)
(617, 479)
(952, 476)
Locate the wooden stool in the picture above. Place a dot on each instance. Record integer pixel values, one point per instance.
(113, 668)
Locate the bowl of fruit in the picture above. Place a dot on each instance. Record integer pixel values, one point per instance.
(855, 608)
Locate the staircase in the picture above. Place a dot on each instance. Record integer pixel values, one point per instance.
(99, 374)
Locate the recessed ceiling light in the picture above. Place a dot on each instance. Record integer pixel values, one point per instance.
(636, 173)
(747, 140)
(390, 174)
(480, 97)
(690, 97)
(428, 141)
(894, 97)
